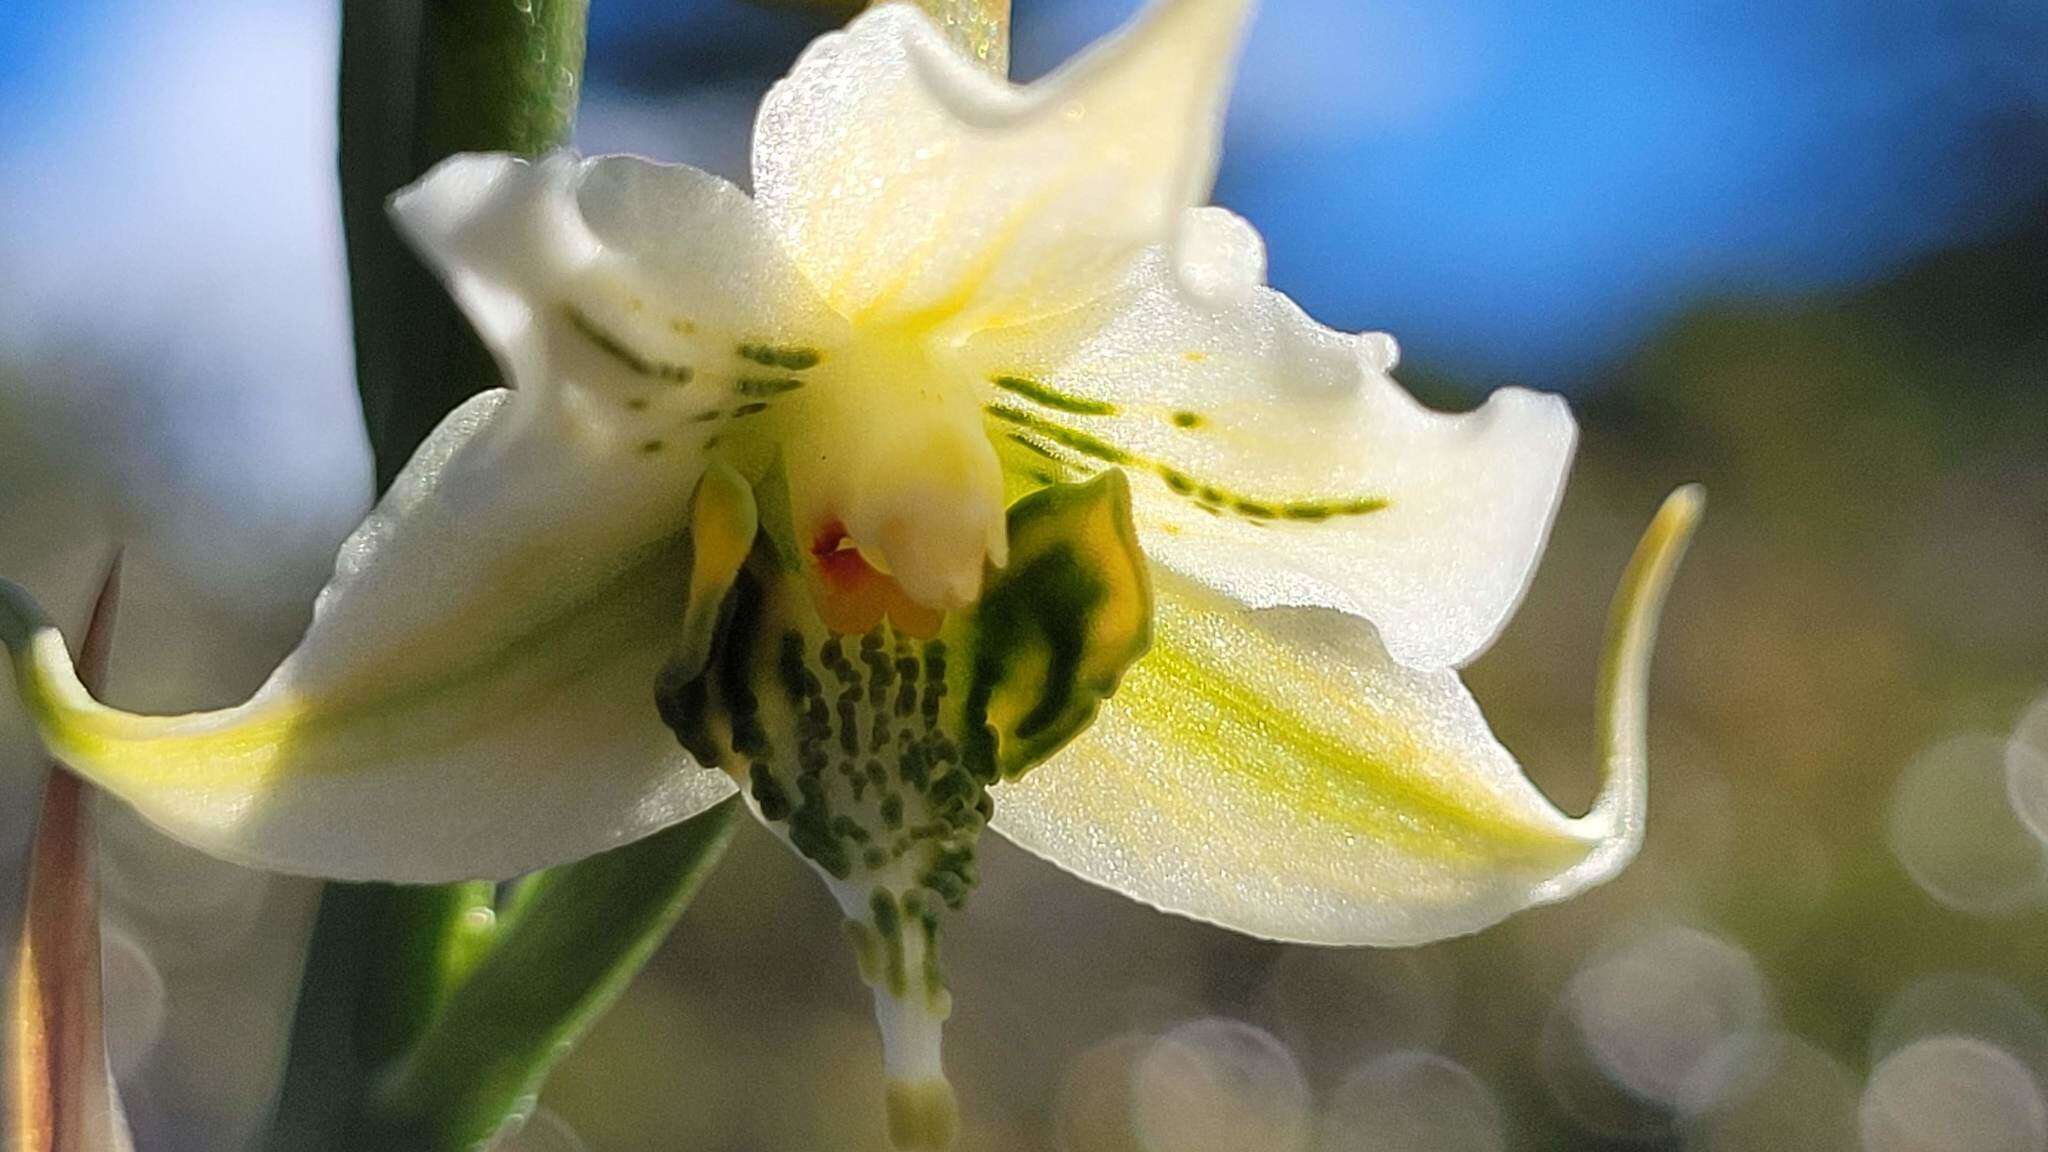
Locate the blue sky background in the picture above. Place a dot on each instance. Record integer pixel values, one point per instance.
(1514, 189)
(1521, 189)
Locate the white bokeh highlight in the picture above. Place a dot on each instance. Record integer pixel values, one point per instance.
(1953, 828)
(1411, 1102)
(1963, 1004)
(1219, 1085)
(1952, 1094)
(1649, 1012)
(2026, 768)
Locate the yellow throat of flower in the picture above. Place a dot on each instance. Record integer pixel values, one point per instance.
(896, 494)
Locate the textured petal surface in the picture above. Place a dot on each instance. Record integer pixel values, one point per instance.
(1273, 771)
(1275, 460)
(638, 294)
(475, 695)
(915, 188)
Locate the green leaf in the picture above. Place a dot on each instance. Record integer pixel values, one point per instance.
(427, 1027)
(420, 81)
(570, 941)
(382, 963)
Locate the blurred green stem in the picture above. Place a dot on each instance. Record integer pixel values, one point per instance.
(564, 951)
(420, 81)
(430, 1016)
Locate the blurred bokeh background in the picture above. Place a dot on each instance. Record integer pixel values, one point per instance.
(1796, 250)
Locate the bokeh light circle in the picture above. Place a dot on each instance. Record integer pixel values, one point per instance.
(1953, 1094)
(1580, 1089)
(1094, 1110)
(2026, 768)
(1650, 1011)
(1411, 1102)
(1768, 1092)
(1218, 1085)
(1954, 830)
(1963, 1004)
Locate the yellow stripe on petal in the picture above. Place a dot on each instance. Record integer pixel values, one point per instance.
(475, 697)
(1276, 772)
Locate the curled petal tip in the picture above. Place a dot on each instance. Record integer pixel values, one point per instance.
(1617, 816)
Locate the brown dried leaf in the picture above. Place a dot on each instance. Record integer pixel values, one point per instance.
(60, 1096)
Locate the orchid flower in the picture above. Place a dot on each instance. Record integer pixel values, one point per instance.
(965, 475)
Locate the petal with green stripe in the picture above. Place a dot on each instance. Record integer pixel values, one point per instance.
(474, 697)
(1276, 460)
(1276, 772)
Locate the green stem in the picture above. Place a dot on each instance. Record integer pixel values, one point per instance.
(420, 81)
(382, 960)
(576, 939)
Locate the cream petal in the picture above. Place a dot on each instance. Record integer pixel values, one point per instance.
(1275, 772)
(1275, 460)
(916, 189)
(641, 296)
(475, 696)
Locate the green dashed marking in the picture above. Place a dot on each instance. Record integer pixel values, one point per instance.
(1186, 419)
(1209, 497)
(1034, 447)
(619, 350)
(1052, 398)
(1080, 442)
(1327, 509)
(790, 357)
(767, 385)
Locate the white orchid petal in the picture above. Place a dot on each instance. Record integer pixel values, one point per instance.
(915, 188)
(637, 293)
(1275, 772)
(1275, 461)
(473, 699)
(475, 696)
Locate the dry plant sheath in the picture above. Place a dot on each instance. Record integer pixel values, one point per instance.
(61, 1096)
